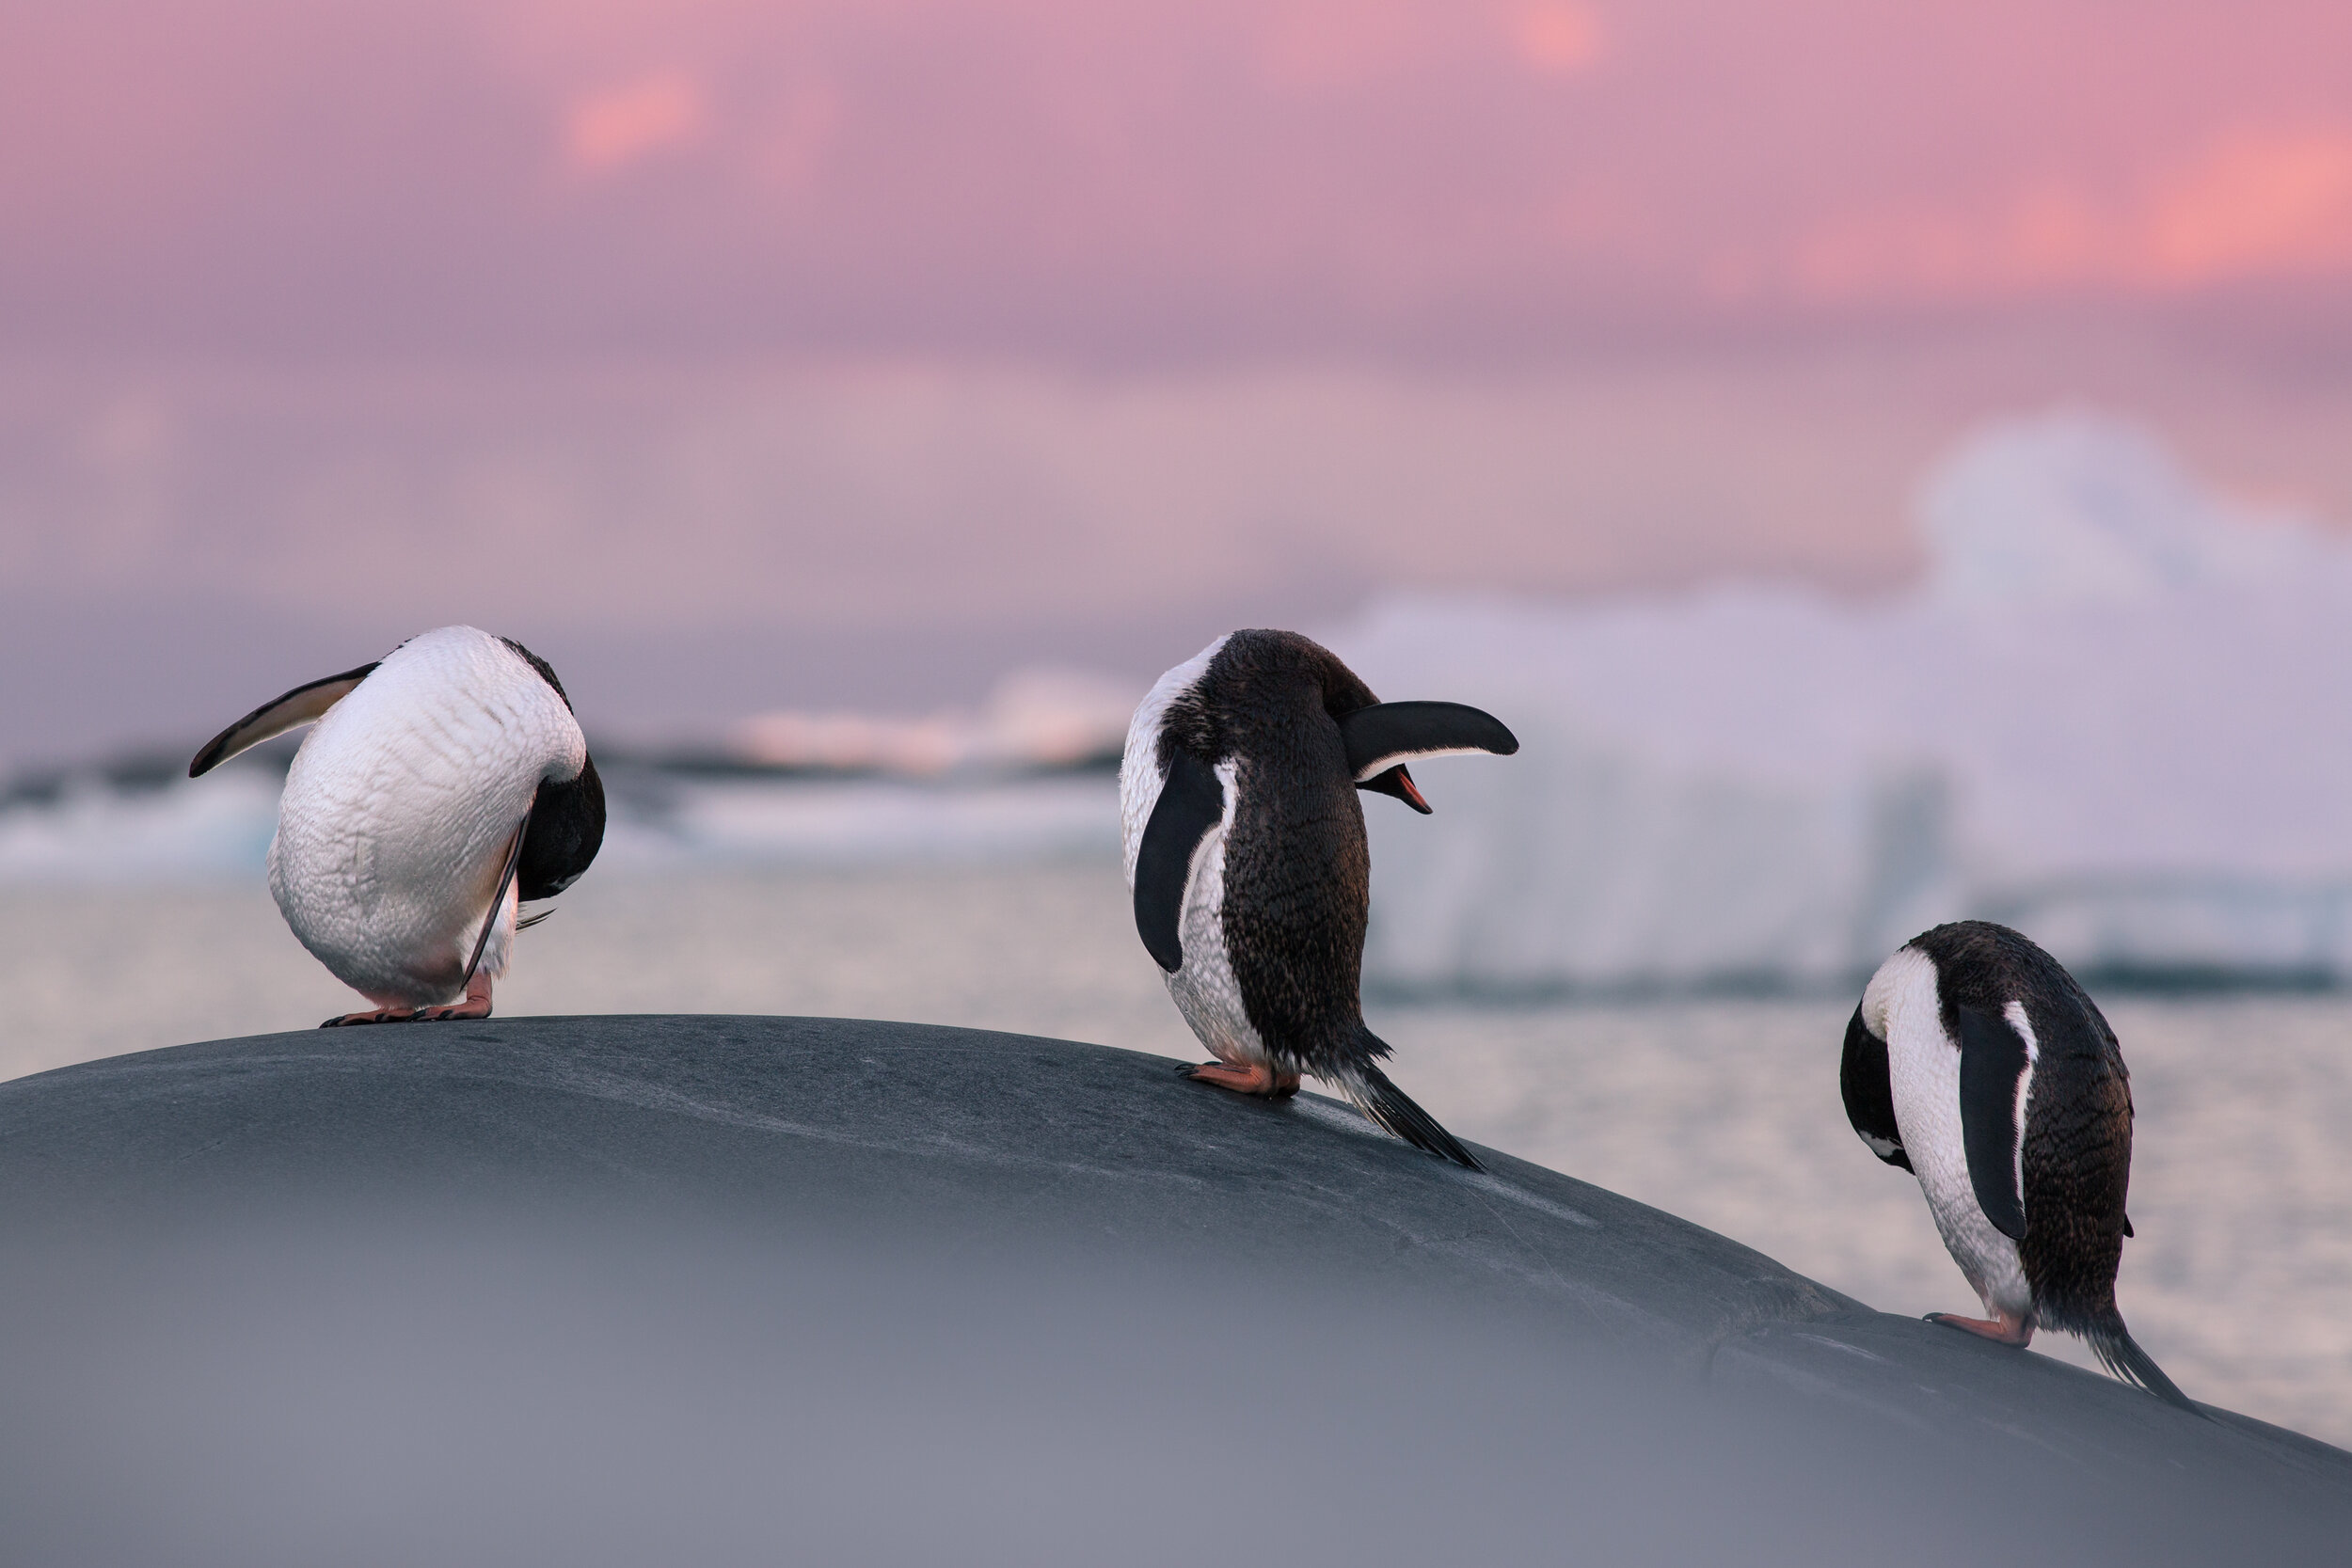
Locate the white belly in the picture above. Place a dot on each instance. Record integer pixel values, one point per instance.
(1204, 988)
(1923, 1070)
(399, 811)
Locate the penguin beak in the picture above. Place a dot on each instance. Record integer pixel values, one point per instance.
(1398, 783)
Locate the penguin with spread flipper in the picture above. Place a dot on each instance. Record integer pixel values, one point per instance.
(1245, 850)
(1978, 1064)
(441, 785)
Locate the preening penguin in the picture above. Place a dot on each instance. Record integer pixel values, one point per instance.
(442, 786)
(1977, 1063)
(1245, 849)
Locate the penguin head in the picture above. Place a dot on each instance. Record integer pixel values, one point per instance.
(1261, 679)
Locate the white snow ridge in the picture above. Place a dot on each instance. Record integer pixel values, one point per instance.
(2114, 714)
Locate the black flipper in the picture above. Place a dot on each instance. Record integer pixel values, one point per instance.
(1392, 1109)
(276, 716)
(498, 899)
(2122, 1356)
(1192, 801)
(1386, 734)
(1869, 1093)
(1992, 1060)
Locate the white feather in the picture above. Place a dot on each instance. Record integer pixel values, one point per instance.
(1904, 1006)
(1140, 774)
(401, 806)
(2015, 1013)
(1205, 986)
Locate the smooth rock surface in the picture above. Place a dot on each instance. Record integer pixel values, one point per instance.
(720, 1288)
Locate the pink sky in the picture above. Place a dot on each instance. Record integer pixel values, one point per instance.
(1155, 179)
(886, 343)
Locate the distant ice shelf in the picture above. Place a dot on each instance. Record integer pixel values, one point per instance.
(2114, 714)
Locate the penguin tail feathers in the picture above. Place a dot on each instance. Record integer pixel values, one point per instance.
(2122, 1356)
(1394, 1110)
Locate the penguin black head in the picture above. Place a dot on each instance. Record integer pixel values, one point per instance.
(1260, 679)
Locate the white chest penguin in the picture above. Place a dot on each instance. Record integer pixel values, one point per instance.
(1245, 850)
(442, 786)
(1977, 1063)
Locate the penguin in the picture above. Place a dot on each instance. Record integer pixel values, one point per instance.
(1977, 1063)
(1245, 851)
(440, 786)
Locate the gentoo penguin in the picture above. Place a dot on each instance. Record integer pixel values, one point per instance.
(1978, 1064)
(1245, 850)
(442, 784)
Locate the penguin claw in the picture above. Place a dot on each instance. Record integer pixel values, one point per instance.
(381, 1015)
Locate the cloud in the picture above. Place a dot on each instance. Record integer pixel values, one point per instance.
(609, 130)
(2256, 206)
(1556, 38)
(1157, 179)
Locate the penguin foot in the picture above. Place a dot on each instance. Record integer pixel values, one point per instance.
(381, 1015)
(2002, 1330)
(458, 1009)
(476, 1004)
(1258, 1079)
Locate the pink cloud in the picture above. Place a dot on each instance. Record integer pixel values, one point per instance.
(607, 130)
(2254, 206)
(1189, 176)
(2263, 205)
(1556, 38)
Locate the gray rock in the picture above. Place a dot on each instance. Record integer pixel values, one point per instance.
(716, 1290)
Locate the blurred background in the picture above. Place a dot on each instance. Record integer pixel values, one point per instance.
(1887, 464)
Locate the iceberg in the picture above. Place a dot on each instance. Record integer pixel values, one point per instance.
(2112, 714)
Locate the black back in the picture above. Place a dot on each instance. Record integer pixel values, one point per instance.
(2077, 1155)
(1298, 871)
(567, 826)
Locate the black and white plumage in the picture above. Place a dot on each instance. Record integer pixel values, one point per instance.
(441, 787)
(1977, 1063)
(1245, 853)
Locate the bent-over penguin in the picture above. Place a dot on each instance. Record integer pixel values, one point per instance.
(1245, 850)
(441, 785)
(1978, 1064)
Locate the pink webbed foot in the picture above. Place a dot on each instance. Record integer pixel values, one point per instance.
(1257, 1078)
(2004, 1329)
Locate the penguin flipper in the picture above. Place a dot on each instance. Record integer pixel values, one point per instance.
(276, 716)
(1386, 734)
(1394, 1110)
(498, 899)
(1868, 1091)
(1192, 802)
(1994, 1064)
